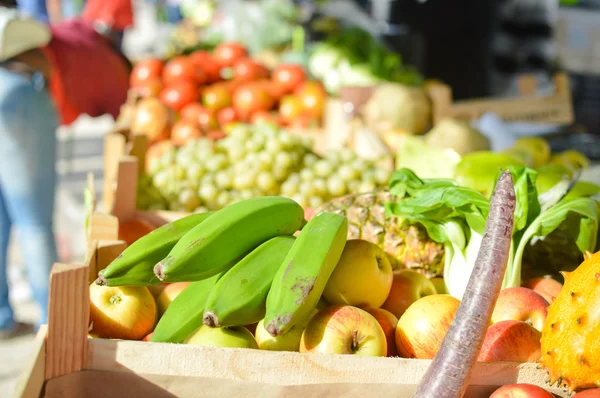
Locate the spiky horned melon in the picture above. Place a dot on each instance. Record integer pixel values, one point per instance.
(571, 334)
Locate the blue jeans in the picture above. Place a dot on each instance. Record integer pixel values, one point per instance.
(28, 123)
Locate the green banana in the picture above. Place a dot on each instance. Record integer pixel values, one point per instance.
(239, 296)
(135, 266)
(215, 245)
(301, 279)
(184, 315)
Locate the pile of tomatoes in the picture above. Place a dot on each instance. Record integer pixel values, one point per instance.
(208, 91)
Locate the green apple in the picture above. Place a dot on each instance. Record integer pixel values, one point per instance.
(232, 337)
(289, 341)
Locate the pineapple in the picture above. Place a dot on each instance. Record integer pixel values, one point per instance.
(407, 245)
(571, 335)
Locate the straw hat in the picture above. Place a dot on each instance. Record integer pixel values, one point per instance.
(19, 33)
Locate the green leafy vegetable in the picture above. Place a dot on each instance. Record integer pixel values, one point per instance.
(455, 216)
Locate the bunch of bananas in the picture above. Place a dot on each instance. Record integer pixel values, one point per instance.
(244, 262)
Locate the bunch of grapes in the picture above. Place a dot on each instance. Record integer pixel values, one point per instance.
(258, 160)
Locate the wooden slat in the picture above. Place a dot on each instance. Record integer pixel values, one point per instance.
(284, 368)
(556, 108)
(32, 378)
(527, 85)
(124, 205)
(108, 250)
(91, 260)
(103, 227)
(68, 319)
(114, 148)
(137, 146)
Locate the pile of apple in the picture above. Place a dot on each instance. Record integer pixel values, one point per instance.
(366, 309)
(199, 95)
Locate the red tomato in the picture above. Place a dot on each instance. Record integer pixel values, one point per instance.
(179, 94)
(312, 96)
(266, 117)
(289, 76)
(183, 131)
(144, 71)
(216, 97)
(251, 98)
(191, 112)
(290, 108)
(149, 88)
(227, 54)
(207, 120)
(207, 63)
(182, 68)
(216, 135)
(275, 90)
(226, 116)
(246, 69)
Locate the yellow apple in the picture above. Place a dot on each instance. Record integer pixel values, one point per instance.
(344, 330)
(388, 322)
(289, 341)
(168, 294)
(123, 312)
(422, 327)
(232, 337)
(407, 287)
(362, 277)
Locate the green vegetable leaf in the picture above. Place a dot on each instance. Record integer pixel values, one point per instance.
(405, 182)
(527, 203)
(583, 230)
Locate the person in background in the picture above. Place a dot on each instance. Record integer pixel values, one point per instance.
(110, 18)
(49, 76)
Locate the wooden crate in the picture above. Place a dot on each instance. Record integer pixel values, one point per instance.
(554, 109)
(66, 362)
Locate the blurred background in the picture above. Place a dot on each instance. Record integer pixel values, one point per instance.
(463, 50)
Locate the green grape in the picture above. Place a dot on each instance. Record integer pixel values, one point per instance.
(323, 168)
(336, 186)
(352, 185)
(244, 181)
(307, 175)
(168, 158)
(223, 179)
(179, 172)
(283, 160)
(347, 173)
(273, 146)
(195, 171)
(365, 187)
(320, 186)
(280, 174)
(223, 199)
(300, 199)
(310, 159)
(315, 201)
(161, 179)
(347, 155)
(247, 194)
(188, 199)
(237, 153)
(265, 181)
(368, 176)
(154, 166)
(307, 189)
(382, 176)
(208, 192)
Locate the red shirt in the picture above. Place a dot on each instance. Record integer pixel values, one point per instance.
(88, 76)
(116, 13)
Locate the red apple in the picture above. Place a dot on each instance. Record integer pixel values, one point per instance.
(123, 312)
(422, 327)
(232, 337)
(388, 322)
(511, 341)
(344, 330)
(157, 289)
(593, 393)
(408, 286)
(148, 336)
(548, 288)
(168, 294)
(521, 390)
(521, 304)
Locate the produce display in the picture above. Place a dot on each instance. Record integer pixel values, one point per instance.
(261, 274)
(253, 160)
(203, 93)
